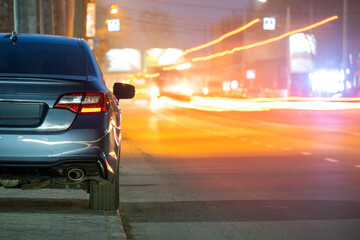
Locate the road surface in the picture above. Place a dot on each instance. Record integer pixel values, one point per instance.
(279, 174)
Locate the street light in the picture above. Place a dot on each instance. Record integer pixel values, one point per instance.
(344, 41)
(114, 9)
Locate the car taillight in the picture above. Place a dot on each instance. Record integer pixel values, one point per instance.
(84, 103)
(70, 101)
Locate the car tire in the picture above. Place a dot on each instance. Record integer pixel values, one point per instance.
(104, 196)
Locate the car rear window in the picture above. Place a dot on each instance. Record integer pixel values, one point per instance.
(41, 59)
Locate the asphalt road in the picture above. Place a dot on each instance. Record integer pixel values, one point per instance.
(280, 174)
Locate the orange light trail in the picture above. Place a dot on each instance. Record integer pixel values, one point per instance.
(250, 105)
(237, 49)
(179, 67)
(152, 75)
(240, 29)
(169, 68)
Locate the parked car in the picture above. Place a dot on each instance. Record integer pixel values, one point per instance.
(60, 126)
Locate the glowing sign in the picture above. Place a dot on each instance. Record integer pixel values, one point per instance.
(124, 60)
(327, 81)
(302, 49)
(269, 23)
(163, 56)
(250, 74)
(90, 20)
(113, 25)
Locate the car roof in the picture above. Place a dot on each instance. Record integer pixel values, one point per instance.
(42, 38)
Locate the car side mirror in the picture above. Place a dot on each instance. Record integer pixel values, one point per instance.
(123, 91)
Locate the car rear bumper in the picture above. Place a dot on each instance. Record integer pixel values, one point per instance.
(94, 151)
(92, 139)
(50, 148)
(61, 171)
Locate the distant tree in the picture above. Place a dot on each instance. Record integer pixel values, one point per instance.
(70, 9)
(25, 16)
(46, 17)
(60, 25)
(80, 19)
(6, 16)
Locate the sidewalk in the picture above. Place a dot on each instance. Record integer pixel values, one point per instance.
(54, 214)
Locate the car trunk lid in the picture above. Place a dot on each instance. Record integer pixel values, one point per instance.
(27, 103)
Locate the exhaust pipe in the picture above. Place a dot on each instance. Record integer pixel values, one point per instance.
(75, 174)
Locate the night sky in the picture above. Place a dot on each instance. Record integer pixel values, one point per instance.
(190, 20)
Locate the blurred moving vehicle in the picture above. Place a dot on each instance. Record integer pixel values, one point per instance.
(60, 126)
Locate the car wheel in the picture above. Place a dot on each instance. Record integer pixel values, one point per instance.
(105, 196)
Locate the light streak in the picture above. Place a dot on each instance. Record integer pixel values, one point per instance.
(240, 29)
(179, 67)
(152, 75)
(237, 49)
(131, 77)
(169, 68)
(183, 66)
(225, 104)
